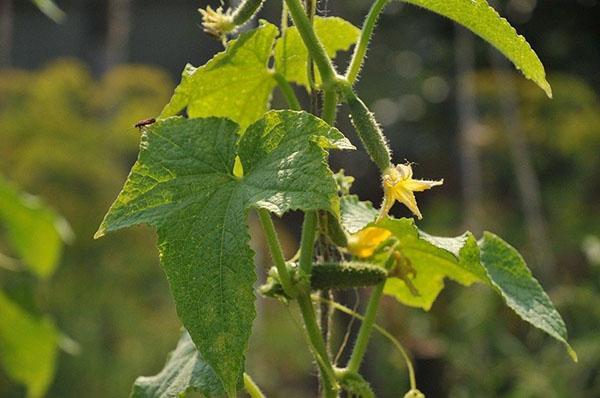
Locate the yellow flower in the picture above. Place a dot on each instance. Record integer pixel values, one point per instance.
(398, 185)
(363, 243)
(216, 22)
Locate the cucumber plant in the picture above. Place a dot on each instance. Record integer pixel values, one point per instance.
(198, 176)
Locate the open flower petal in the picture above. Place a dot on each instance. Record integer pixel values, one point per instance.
(399, 185)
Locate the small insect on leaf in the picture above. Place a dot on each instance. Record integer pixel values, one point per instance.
(145, 122)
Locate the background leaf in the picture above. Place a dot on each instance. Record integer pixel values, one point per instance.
(485, 22)
(185, 371)
(235, 83)
(521, 291)
(183, 184)
(35, 232)
(291, 56)
(28, 347)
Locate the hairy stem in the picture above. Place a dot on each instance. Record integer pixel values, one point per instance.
(252, 388)
(364, 333)
(318, 345)
(276, 252)
(309, 229)
(382, 331)
(329, 111)
(245, 11)
(358, 57)
(311, 41)
(288, 91)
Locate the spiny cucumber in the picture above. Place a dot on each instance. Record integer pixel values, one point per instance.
(345, 275)
(368, 131)
(342, 275)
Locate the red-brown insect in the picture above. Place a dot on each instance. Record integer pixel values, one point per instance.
(144, 123)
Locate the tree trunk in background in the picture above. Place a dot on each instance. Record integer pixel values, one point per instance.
(527, 181)
(117, 34)
(6, 32)
(470, 164)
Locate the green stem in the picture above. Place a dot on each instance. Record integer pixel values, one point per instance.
(364, 333)
(276, 252)
(309, 229)
(252, 388)
(384, 333)
(284, 19)
(329, 111)
(312, 43)
(358, 57)
(245, 11)
(317, 344)
(288, 91)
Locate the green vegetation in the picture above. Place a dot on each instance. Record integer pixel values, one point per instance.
(207, 181)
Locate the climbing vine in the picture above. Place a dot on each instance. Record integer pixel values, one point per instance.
(198, 176)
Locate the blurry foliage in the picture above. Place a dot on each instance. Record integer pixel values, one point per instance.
(33, 235)
(564, 139)
(477, 355)
(69, 139)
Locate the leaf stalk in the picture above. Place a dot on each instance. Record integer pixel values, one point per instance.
(360, 50)
(276, 252)
(252, 388)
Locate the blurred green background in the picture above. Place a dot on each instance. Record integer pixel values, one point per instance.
(513, 161)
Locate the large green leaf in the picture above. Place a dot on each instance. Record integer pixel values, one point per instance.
(183, 183)
(28, 347)
(484, 21)
(34, 231)
(235, 83)
(508, 272)
(433, 259)
(291, 55)
(185, 371)
(491, 261)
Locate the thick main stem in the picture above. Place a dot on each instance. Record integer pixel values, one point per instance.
(329, 111)
(364, 333)
(309, 229)
(311, 41)
(385, 333)
(317, 343)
